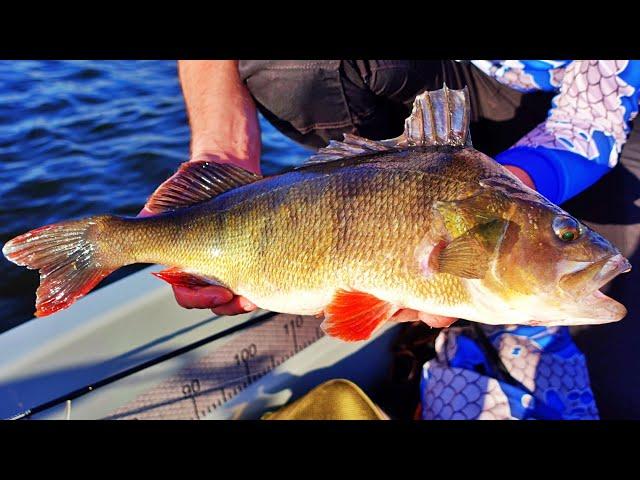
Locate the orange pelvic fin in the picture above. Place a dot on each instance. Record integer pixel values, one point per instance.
(354, 316)
(179, 278)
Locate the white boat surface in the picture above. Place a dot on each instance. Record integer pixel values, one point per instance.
(135, 322)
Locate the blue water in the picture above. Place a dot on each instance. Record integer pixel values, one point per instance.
(79, 138)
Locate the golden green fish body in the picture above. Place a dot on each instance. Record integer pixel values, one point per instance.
(371, 224)
(289, 242)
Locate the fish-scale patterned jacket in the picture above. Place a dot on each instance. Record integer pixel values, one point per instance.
(587, 125)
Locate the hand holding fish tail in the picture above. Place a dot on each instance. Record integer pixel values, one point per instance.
(220, 300)
(225, 129)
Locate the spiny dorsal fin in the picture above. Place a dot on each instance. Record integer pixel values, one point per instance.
(440, 117)
(197, 182)
(352, 146)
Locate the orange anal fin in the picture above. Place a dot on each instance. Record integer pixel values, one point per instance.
(178, 278)
(354, 316)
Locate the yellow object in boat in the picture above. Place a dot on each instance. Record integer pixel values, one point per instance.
(337, 399)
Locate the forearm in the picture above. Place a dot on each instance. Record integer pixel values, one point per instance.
(222, 114)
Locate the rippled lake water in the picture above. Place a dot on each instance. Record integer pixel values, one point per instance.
(78, 138)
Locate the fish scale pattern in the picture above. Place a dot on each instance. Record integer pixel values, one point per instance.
(525, 75)
(456, 393)
(590, 115)
(268, 235)
(590, 101)
(546, 361)
(459, 383)
(459, 394)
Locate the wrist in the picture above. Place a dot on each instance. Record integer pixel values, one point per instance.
(522, 175)
(232, 135)
(557, 174)
(542, 172)
(222, 114)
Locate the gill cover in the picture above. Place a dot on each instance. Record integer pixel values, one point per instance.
(470, 254)
(477, 233)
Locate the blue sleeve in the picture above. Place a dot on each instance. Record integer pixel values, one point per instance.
(524, 75)
(557, 174)
(586, 128)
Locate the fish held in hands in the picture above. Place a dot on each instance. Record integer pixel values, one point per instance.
(422, 226)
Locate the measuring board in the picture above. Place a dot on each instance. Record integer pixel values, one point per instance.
(200, 388)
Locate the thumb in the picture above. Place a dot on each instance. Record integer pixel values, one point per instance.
(145, 212)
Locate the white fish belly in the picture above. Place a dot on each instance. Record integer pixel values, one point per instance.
(296, 303)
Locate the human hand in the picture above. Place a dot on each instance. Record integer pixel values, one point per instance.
(409, 315)
(522, 175)
(224, 129)
(220, 300)
(222, 114)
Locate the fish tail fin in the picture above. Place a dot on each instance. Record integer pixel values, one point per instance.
(69, 257)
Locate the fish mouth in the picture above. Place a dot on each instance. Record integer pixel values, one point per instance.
(584, 286)
(614, 266)
(593, 277)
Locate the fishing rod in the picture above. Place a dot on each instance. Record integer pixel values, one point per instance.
(130, 371)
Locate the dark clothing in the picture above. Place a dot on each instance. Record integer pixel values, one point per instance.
(313, 102)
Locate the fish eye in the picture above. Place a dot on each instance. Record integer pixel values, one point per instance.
(566, 228)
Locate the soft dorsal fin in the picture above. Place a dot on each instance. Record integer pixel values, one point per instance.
(197, 182)
(440, 117)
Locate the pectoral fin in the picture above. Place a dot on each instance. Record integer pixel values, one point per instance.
(468, 256)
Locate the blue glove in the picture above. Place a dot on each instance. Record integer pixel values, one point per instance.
(558, 175)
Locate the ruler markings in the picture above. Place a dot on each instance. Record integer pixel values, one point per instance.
(220, 375)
